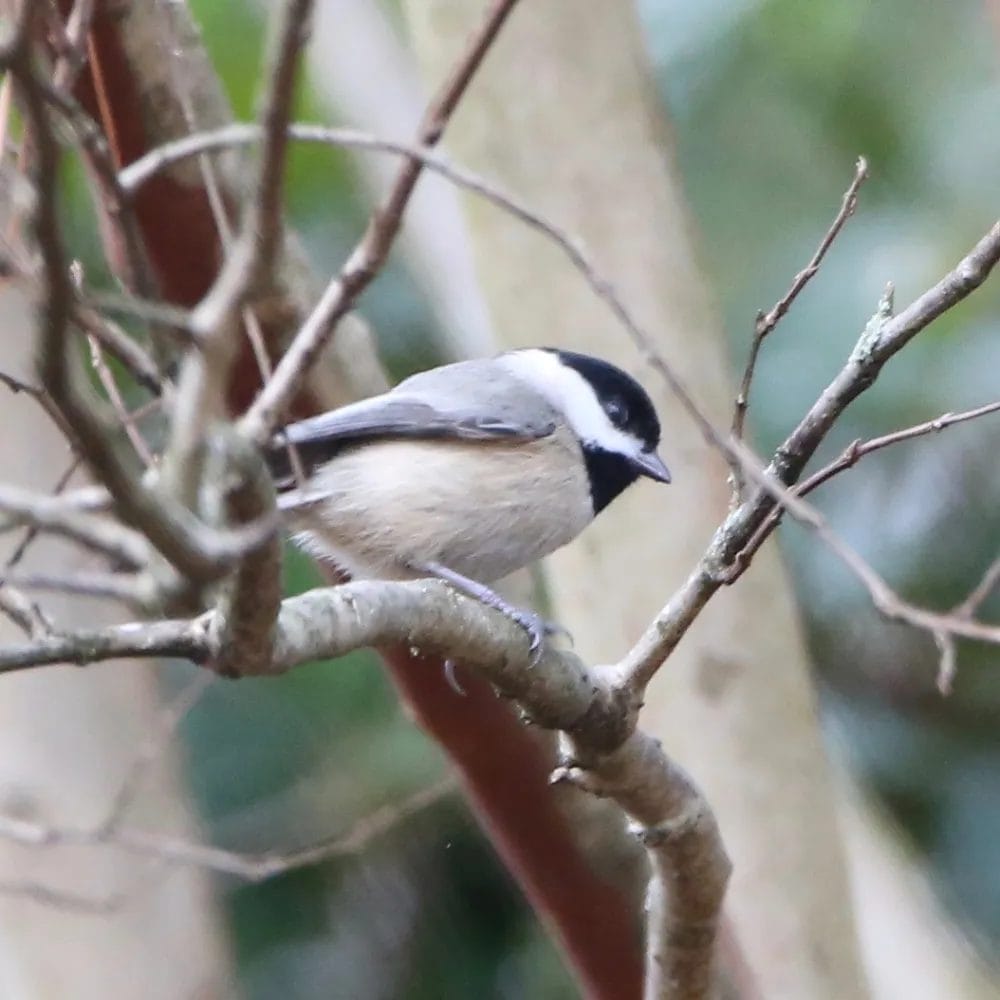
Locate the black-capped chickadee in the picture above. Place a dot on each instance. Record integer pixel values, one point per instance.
(469, 471)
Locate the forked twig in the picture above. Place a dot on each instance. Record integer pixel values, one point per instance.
(847, 459)
(766, 322)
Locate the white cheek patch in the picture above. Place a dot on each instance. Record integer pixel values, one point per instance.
(570, 393)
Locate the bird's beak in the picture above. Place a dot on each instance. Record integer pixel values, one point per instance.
(650, 464)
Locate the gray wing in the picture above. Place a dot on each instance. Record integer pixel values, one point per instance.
(397, 414)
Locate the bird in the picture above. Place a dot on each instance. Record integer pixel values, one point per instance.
(469, 471)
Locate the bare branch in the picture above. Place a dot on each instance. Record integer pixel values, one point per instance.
(944, 628)
(121, 346)
(24, 613)
(249, 867)
(204, 379)
(114, 395)
(169, 528)
(981, 592)
(41, 397)
(765, 323)
(59, 899)
(137, 271)
(260, 867)
(370, 253)
(136, 639)
(56, 498)
(73, 51)
(248, 609)
(163, 317)
(690, 868)
(425, 615)
(134, 591)
(170, 718)
(882, 338)
(90, 530)
(885, 337)
(847, 459)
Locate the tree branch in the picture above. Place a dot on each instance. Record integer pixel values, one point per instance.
(765, 323)
(90, 530)
(368, 256)
(884, 336)
(168, 528)
(981, 592)
(558, 692)
(847, 459)
(248, 267)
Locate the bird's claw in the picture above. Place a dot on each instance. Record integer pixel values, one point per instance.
(537, 628)
(452, 678)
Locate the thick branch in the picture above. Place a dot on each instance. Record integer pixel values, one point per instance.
(690, 866)
(247, 612)
(670, 816)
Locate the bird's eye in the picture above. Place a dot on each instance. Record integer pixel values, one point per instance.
(617, 412)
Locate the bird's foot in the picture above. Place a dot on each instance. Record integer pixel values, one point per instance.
(533, 623)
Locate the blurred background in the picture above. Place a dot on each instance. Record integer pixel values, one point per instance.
(771, 101)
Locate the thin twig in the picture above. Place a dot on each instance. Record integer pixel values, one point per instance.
(847, 459)
(168, 527)
(138, 273)
(121, 346)
(163, 317)
(882, 338)
(204, 378)
(981, 592)
(118, 404)
(766, 322)
(62, 899)
(249, 867)
(94, 532)
(53, 500)
(944, 628)
(23, 612)
(368, 256)
(129, 589)
(42, 398)
(150, 749)
(288, 37)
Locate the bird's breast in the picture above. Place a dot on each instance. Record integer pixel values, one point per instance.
(484, 509)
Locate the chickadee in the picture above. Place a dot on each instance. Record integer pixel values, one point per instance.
(469, 471)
